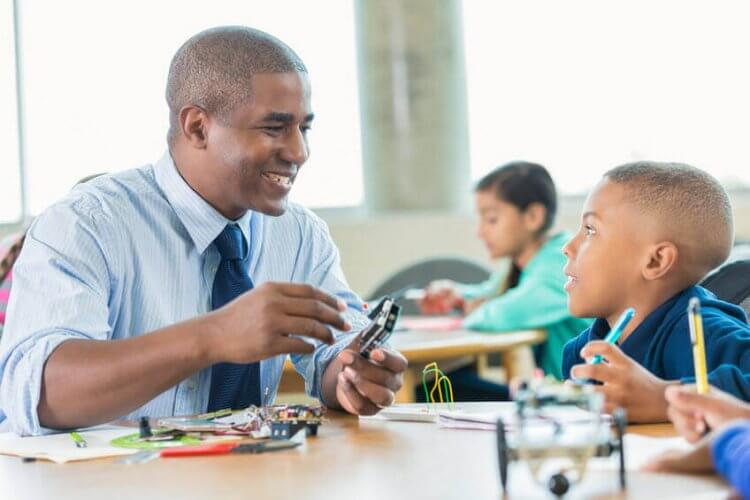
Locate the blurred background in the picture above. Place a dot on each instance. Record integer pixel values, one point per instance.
(414, 101)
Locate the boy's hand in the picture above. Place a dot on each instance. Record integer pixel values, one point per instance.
(626, 384)
(690, 411)
(364, 386)
(694, 461)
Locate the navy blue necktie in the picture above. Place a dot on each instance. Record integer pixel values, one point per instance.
(233, 385)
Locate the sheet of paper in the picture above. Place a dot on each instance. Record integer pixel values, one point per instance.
(424, 412)
(486, 420)
(641, 449)
(60, 448)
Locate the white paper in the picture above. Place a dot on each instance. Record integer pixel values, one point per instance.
(60, 448)
(487, 420)
(640, 450)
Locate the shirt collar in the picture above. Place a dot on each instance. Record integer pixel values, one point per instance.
(202, 221)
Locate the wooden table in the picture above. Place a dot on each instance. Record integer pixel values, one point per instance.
(349, 459)
(423, 346)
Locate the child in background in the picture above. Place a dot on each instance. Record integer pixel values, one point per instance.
(517, 204)
(10, 248)
(726, 449)
(649, 233)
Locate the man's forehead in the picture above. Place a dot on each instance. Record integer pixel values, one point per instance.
(277, 97)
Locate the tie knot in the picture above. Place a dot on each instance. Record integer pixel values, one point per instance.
(230, 243)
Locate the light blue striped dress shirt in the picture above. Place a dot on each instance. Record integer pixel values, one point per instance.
(129, 253)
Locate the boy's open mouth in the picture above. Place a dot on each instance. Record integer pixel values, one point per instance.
(571, 283)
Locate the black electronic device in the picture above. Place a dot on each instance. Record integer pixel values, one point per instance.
(382, 322)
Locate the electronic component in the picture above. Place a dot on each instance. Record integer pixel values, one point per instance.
(383, 320)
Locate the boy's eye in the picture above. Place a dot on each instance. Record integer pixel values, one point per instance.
(589, 230)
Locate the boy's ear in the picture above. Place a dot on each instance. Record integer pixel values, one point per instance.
(194, 124)
(534, 216)
(662, 258)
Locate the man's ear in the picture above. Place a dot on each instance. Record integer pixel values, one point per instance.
(534, 217)
(661, 259)
(194, 126)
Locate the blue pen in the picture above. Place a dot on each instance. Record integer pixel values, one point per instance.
(614, 334)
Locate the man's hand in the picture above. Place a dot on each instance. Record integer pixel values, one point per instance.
(364, 386)
(690, 411)
(441, 297)
(626, 384)
(257, 324)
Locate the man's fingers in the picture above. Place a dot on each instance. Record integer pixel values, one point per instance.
(306, 327)
(375, 374)
(287, 345)
(376, 393)
(368, 370)
(353, 400)
(317, 310)
(310, 292)
(392, 360)
(610, 352)
(601, 372)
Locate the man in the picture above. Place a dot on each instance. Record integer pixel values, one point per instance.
(180, 287)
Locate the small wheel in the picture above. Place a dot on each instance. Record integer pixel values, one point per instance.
(558, 484)
(502, 454)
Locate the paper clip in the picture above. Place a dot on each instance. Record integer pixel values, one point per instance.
(441, 384)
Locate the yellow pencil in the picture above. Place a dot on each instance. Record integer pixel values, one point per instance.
(695, 321)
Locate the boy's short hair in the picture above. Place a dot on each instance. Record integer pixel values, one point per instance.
(692, 205)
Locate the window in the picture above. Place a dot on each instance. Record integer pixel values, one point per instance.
(10, 185)
(586, 85)
(95, 74)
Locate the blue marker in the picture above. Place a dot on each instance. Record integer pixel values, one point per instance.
(614, 334)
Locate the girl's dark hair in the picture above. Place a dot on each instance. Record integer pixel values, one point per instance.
(521, 184)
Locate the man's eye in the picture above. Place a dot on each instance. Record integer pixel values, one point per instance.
(305, 129)
(589, 230)
(274, 129)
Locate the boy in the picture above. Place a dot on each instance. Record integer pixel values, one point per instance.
(650, 232)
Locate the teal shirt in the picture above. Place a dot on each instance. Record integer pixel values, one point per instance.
(538, 301)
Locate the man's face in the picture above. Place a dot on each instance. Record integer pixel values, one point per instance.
(606, 255)
(260, 147)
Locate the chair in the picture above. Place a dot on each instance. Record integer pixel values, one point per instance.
(420, 274)
(731, 283)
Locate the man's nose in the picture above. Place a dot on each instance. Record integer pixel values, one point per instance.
(295, 148)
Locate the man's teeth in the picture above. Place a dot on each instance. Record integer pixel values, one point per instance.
(280, 179)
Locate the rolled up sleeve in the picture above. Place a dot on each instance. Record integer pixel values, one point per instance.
(61, 290)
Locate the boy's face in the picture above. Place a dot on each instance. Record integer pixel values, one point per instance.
(605, 256)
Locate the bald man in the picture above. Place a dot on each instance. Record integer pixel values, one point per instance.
(181, 287)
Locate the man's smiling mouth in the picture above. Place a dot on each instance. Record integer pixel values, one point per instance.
(280, 179)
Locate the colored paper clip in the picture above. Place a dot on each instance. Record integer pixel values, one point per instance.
(442, 385)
